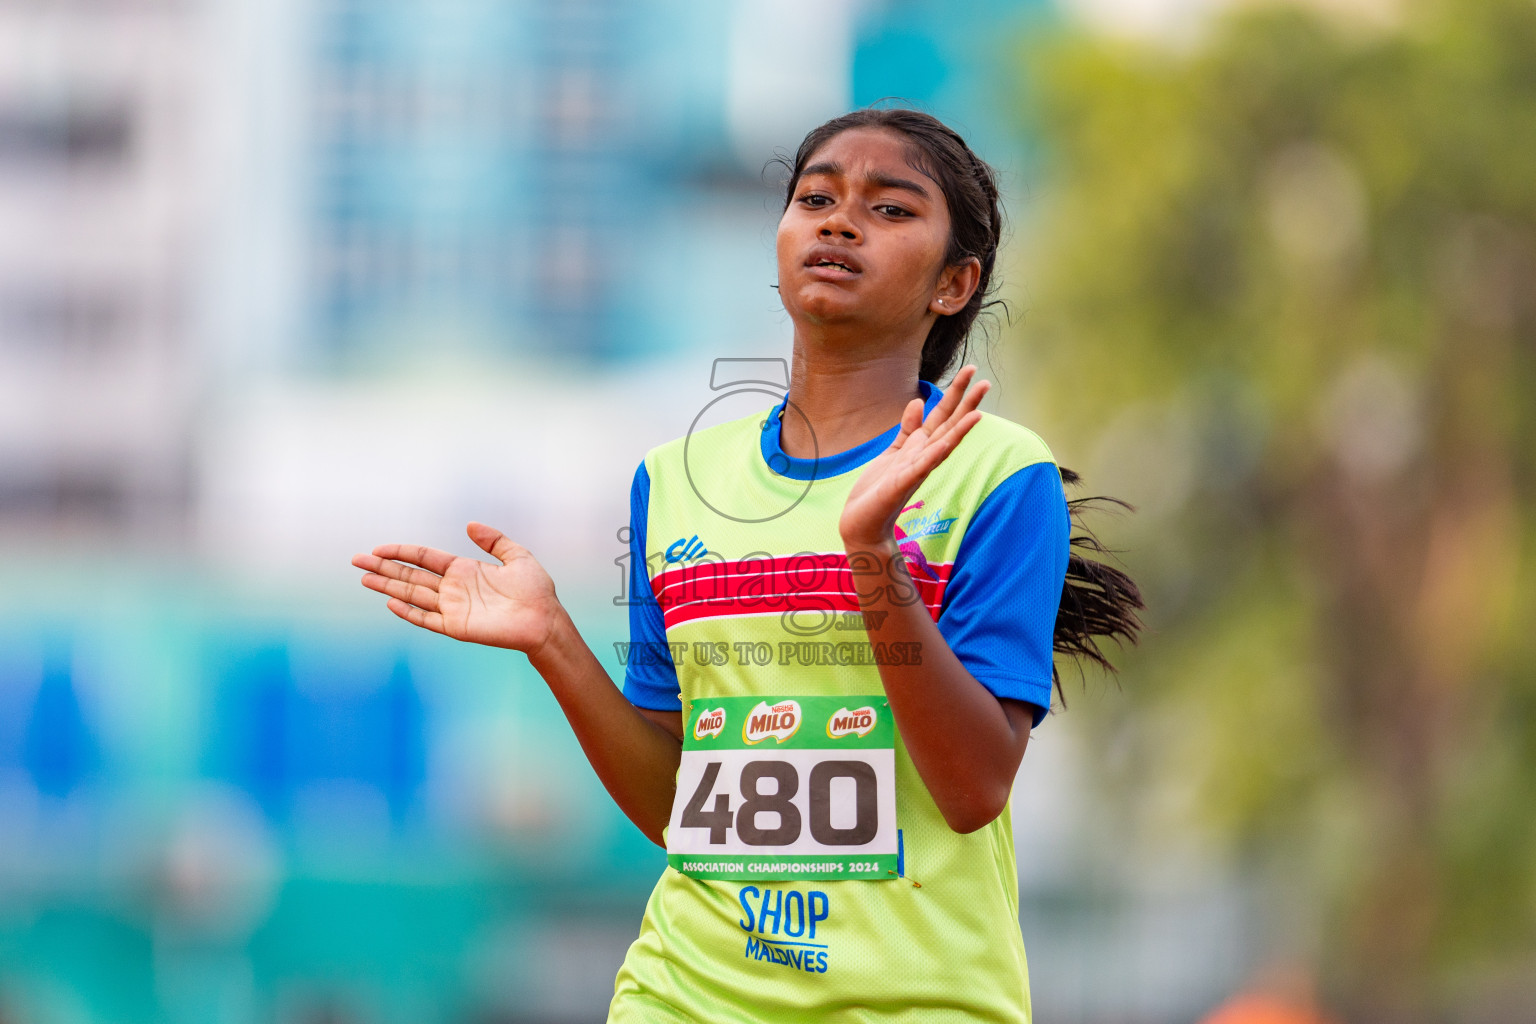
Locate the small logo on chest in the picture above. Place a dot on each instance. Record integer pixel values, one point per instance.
(685, 549)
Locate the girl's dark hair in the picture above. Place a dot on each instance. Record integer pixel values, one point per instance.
(1098, 601)
(970, 190)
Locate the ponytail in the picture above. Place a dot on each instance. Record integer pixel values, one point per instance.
(1098, 601)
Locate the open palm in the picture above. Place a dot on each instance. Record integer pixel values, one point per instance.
(891, 478)
(512, 604)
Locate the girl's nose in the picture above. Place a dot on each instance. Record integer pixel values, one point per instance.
(845, 231)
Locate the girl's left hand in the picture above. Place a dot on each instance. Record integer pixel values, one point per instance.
(889, 481)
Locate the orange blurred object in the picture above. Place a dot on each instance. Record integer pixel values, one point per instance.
(1264, 1009)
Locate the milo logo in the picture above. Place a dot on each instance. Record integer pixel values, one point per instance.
(779, 721)
(709, 723)
(857, 722)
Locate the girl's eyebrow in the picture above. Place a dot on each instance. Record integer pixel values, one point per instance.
(891, 181)
(876, 178)
(830, 167)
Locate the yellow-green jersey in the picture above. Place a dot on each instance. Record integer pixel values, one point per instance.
(811, 876)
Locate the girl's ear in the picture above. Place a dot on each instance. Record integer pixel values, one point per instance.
(955, 287)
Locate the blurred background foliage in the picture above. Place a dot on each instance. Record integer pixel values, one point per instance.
(1281, 294)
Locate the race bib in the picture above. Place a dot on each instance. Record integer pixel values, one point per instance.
(786, 787)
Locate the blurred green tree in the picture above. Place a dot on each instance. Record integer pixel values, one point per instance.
(1282, 295)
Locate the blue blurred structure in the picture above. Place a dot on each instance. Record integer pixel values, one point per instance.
(59, 751)
(272, 739)
(954, 60)
(384, 826)
(475, 173)
(492, 175)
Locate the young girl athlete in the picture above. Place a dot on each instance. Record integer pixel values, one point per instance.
(827, 747)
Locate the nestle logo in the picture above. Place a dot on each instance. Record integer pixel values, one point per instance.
(709, 723)
(857, 722)
(779, 721)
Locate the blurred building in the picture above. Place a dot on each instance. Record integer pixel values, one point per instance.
(102, 191)
(473, 174)
(196, 193)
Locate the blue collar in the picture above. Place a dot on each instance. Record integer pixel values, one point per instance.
(831, 465)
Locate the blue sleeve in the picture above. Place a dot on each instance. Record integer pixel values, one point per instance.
(650, 677)
(999, 614)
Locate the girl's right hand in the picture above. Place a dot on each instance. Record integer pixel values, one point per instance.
(512, 604)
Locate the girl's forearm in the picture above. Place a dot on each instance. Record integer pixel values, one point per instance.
(965, 743)
(635, 758)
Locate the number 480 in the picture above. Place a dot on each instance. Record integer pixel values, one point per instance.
(720, 820)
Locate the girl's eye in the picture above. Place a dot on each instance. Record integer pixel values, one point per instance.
(892, 210)
(815, 199)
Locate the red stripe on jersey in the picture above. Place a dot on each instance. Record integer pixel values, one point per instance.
(757, 586)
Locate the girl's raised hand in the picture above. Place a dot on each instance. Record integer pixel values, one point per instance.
(512, 604)
(889, 481)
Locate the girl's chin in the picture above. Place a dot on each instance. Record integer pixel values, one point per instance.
(824, 306)
(830, 318)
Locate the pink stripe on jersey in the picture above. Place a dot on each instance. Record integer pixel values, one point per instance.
(758, 586)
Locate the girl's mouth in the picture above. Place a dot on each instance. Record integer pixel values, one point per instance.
(831, 271)
(832, 262)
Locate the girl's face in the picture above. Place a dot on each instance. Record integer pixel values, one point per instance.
(864, 237)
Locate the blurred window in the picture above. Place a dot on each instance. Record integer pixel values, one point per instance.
(63, 319)
(65, 134)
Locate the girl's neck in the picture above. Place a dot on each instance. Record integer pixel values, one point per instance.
(847, 396)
